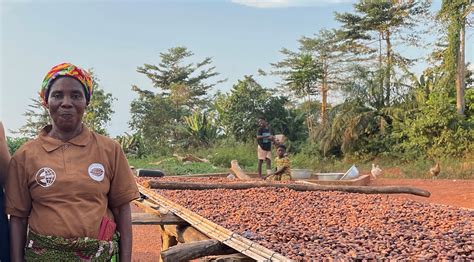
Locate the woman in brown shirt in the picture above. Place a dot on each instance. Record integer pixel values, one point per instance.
(70, 187)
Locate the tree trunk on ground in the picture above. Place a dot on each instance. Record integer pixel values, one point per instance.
(297, 187)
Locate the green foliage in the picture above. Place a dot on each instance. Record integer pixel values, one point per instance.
(152, 116)
(201, 128)
(14, 143)
(301, 73)
(186, 84)
(353, 129)
(99, 111)
(37, 117)
(382, 20)
(246, 102)
(435, 131)
(244, 153)
(132, 145)
(182, 89)
(452, 13)
(172, 167)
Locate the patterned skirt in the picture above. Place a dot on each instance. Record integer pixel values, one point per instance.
(53, 248)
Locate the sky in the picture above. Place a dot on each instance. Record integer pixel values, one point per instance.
(116, 37)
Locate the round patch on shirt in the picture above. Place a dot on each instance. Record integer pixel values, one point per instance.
(96, 172)
(45, 176)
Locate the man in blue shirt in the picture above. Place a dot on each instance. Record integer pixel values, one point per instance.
(264, 149)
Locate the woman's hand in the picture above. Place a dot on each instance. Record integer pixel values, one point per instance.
(18, 227)
(123, 218)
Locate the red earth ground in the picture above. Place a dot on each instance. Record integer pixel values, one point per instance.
(459, 193)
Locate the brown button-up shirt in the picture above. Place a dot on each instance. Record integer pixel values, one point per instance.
(65, 188)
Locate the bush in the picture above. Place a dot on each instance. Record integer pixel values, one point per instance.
(14, 143)
(245, 153)
(436, 131)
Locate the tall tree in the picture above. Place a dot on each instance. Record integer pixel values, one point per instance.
(454, 13)
(99, 111)
(246, 102)
(36, 118)
(182, 87)
(187, 83)
(301, 77)
(97, 116)
(378, 22)
(331, 55)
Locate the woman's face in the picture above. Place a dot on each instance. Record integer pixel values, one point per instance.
(66, 103)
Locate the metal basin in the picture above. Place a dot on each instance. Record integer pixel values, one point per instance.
(329, 176)
(300, 173)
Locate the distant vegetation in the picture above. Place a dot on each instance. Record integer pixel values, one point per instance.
(388, 113)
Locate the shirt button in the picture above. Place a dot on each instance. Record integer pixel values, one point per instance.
(66, 146)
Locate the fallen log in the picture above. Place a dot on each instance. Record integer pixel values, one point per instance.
(296, 187)
(193, 250)
(239, 173)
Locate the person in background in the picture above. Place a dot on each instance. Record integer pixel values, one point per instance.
(264, 148)
(4, 234)
(70, 187)
(282, 163)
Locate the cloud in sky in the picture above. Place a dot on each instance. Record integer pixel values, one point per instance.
(287, 3)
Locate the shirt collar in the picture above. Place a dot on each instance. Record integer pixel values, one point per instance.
(50, 144)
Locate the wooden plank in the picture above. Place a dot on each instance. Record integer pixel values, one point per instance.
(297, 187)
(193, 250)
(154, 219)
(150, 207)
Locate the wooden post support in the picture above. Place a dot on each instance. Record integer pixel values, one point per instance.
(297, 187)
(239, 173)
(167, 240)
(188, 251)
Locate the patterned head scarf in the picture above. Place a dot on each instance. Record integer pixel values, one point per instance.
(66, 69)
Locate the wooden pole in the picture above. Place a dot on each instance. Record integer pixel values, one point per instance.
(297, 187)
(193, 250)
(239, 173)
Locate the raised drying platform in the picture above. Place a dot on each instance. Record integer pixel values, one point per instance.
(215, 231)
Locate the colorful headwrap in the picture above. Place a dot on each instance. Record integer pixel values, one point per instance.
(66, 69)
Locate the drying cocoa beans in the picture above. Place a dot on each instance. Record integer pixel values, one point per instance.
(334, 225)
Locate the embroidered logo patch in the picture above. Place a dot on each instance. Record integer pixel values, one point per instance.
(45, 176)
(96, 172)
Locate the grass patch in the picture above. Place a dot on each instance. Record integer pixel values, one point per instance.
(221, 155)
(173, 167)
